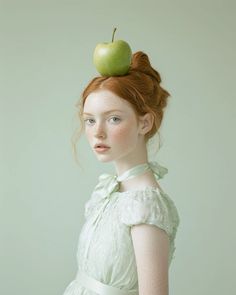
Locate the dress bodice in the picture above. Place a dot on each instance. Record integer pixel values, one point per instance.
(110, 183)
(105, 251)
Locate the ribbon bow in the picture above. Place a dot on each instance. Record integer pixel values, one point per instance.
(108, 184)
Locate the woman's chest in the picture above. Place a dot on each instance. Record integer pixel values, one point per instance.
(103, 234)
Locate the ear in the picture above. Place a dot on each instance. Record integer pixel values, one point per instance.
(145, 123)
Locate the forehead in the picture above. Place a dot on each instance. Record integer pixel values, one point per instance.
(104, 100)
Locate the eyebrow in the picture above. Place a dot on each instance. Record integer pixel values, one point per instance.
(107, 112)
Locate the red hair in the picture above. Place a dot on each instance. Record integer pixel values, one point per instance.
(140, 87)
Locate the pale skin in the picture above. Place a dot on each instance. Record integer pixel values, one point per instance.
(111, 120)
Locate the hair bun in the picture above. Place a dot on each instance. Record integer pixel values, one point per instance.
(140, 62)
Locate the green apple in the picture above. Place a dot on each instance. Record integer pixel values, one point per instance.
(112, 59)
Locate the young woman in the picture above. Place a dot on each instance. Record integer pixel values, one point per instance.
(127, 242)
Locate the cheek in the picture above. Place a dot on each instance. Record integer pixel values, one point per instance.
(122, 133)
(88, 133)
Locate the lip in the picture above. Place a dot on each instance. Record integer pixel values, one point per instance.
(100, 145)
(101, 149)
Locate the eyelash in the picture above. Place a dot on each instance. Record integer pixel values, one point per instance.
(110, 118)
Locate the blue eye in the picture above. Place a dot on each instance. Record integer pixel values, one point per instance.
(88, 120)
(116, 119)
(91, 121)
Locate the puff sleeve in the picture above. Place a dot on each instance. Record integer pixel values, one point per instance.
(151, 207)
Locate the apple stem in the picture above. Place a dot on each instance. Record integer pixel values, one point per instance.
(113, 34)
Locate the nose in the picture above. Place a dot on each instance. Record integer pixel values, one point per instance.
(99, 131)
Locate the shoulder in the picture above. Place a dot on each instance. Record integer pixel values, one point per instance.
(149, 206)
(153, 218)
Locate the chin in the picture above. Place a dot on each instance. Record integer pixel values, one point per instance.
(104, 159)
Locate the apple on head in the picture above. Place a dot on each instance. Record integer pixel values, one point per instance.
(112, 59)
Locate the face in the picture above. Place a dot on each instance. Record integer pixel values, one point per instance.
(110, 120)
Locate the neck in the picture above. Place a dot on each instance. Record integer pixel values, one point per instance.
(138, 156)
(136, 175)
(141, 181)
(123, 165)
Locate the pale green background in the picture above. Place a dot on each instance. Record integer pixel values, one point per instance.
(46, 61)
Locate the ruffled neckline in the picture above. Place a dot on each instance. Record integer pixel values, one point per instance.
(144, 189)
(109, 184)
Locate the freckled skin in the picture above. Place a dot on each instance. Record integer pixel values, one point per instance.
(123, 132)
(123, 137)
(128, 148)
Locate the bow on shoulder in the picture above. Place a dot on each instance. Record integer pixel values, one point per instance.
(158, 170)
(108, 184)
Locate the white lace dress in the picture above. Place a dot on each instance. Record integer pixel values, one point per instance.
(105, 250)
